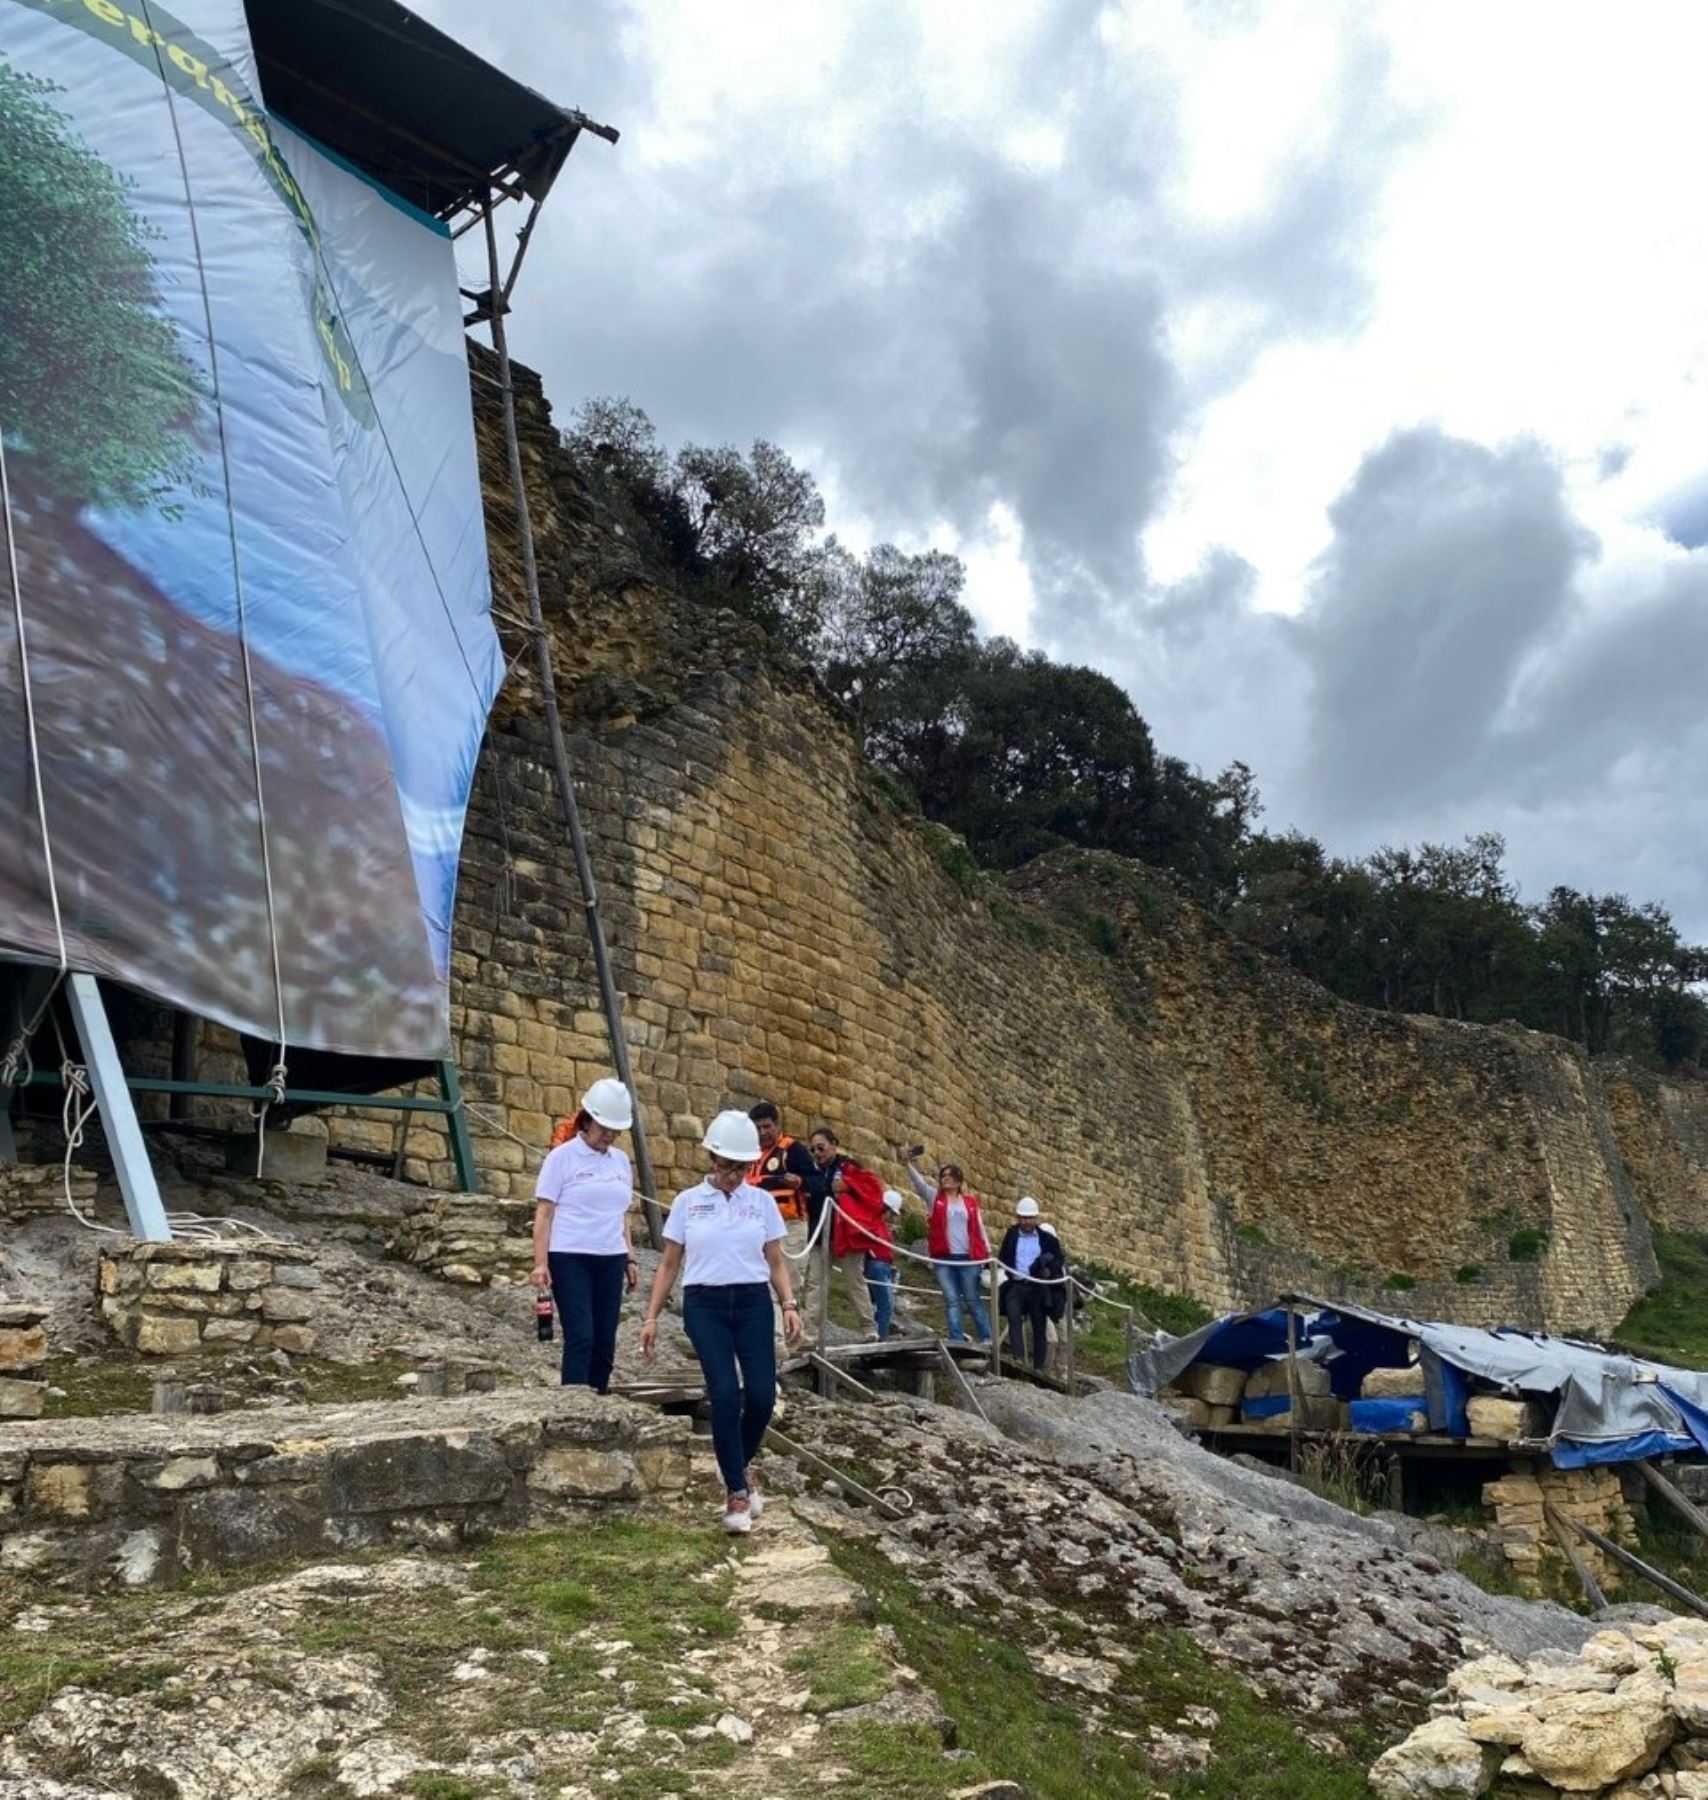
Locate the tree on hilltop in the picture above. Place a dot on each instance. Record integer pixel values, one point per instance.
(98, 401)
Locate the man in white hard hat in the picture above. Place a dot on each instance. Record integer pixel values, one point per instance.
(1032, 1264)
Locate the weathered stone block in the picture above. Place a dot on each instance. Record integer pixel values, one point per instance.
(286, 1306)
(1393, 1384)
(1217, 1386)
(296, 1275)
(1272, 1379)
(579, 1474)
(243, 1276)
(198, 1277)
(22, 1399)
(73, 1490)
(182, 1472)
(295, 1340)
(167, 1334)
(22, 1348)
(1492, 1416)
(403, 1473)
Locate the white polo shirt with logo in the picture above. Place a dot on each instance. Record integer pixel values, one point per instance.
(589, 1191)
(723, 1237)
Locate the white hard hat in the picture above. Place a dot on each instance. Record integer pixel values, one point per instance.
(607, 1103)
(892, 1200)
(732, 1135)
(1027, 1209)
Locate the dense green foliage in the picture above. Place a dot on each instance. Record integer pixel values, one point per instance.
(98, 402)
(1672, 1322)
(1018, 755)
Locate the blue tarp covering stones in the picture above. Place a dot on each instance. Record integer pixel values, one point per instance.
(1591, 1405)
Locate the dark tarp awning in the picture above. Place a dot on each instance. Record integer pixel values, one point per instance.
(405, 103)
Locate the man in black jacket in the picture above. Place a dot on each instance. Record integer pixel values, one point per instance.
(1033, 1264)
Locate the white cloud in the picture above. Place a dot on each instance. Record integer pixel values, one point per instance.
(1120, 300)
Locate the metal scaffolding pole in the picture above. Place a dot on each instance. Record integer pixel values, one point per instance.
(498, 301)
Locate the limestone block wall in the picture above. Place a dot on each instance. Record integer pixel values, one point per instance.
(1661, 1128)
(782, 926)
(23, 1350)
(135, 1500)
(176, 1299)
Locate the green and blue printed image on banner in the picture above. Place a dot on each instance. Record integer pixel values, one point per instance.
(245, 646)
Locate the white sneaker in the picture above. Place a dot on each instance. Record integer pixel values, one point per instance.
(738, 1513)
(755, 1499)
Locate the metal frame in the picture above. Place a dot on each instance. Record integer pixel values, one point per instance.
(143, 1206)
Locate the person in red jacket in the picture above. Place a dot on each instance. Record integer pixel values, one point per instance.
(956, 1244)
(860, 1226)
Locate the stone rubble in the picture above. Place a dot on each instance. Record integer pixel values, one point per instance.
(23, 1350)
(1625, 1719)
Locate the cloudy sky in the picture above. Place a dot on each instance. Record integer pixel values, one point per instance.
(1333, 376)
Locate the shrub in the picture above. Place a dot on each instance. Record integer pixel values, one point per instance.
(1526, 1246)
(1399, 1283)
(1466, 1273)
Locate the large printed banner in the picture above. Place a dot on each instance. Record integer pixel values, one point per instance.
(245, 651)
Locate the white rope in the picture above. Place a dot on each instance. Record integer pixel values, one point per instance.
(277, 1081)
(30, 705)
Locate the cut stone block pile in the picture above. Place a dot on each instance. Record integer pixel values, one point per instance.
(23, 1350)
(471, 1238)
(1519, 1502)
(1625, 1719)
(175, 1299)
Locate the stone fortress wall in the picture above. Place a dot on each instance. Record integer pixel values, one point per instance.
(782, 926)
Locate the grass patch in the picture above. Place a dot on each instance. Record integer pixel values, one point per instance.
(1467, 1273)
(1399, 1282)
(1101, 1347)
(1672, 1321)
(1022, 1727)
(339, 1384)
(1251, 1234)
(842, 1669)
(96, 1386)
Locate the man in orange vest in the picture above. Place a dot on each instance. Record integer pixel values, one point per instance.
(784, 1168)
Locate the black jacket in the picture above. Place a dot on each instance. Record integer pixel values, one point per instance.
(1050, 1266)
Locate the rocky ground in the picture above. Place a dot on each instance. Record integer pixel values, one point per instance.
(1076, 1598)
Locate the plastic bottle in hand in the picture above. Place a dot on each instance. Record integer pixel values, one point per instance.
(543, 1318)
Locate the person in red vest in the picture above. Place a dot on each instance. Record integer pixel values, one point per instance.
(860, 1228)
(956, 1243)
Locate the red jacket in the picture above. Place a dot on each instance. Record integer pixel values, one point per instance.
(861, 1226)
(937, 1228)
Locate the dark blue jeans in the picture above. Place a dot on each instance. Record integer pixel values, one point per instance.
(881, 1279)
(588, 1294)
(732, 1329)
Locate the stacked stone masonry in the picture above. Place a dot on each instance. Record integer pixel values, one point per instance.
(31, 1190)
(94, 1502)
(470, 1238)
(176, 1299)
(780, 926)
(1519, 1502)
(23, 1351)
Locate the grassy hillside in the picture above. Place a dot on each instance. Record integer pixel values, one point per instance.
(1671, 1323)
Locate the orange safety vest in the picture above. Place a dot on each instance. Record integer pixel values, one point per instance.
(791, 1203)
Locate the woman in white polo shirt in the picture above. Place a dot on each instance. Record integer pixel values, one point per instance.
(582, 1248)
(726, 1238)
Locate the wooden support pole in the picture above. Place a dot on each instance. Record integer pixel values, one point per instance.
(1634, 1563)
(1293, 1396)
(828, 1369)
(1686, 1508)
(1580, 1564)
(608, 998)
(829, 1469)
(966, 1386)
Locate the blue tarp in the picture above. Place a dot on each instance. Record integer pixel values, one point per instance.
(1384, 1415)
(1606, 1407)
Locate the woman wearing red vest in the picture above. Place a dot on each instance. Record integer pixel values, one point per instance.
(956, 1244)
(860, 1226)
